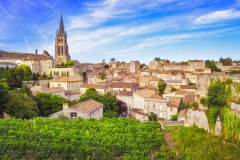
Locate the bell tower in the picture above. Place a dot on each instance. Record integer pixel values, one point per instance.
(61, 46)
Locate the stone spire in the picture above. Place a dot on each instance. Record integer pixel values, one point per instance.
(61, 26)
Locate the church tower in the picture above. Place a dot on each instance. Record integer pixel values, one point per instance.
(61, 46)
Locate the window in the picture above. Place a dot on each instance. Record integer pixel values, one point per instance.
(73, 114)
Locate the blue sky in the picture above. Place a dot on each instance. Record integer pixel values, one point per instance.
(125, 29)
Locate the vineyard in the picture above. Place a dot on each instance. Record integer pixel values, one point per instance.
(79, 139)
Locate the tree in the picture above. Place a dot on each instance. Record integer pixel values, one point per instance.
(110, 102)
(69, 63)
(183, 106)
(27, 73)
(48, 104)
(3, 99)
(102, 75)
(152, 117)
(20, 105)
(226, 61)
(212, 66)
(112, 60)
(17, 75)
(15, 78)
(157, 59)
(161, 86)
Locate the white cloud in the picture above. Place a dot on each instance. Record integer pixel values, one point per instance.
(218, 16)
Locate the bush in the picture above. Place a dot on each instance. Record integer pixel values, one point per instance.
(196, 144)
(174, 117)
(48, 104)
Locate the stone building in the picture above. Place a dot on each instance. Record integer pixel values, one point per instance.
(38, 63)
(87, 109)
(67, 83)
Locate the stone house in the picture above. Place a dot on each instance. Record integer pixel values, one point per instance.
(149, 101)
(139, 115)
(67, 83)
(87, 110)
(134, 66)
(64, 71)
(100, 88)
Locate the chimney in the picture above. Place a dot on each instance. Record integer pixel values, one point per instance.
(65, 106)
(36, 51)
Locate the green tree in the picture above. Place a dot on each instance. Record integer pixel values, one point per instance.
(69, 63)
(183, 106)
(226, 61)
(153, 117)
(212, 66)
(20, 105)
(157, 59)
(48, 104)
(161, 86)
(27, 73)
(102, 75)
(15, 78)
(3, 99)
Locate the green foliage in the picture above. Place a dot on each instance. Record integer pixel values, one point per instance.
(231, 126)
(196, 144)
(212, 115)
(79, 139)
(174, 117)
(68, 63)
(212, 66)
(20, 105)
(14, 77)
(48, 103)
(183, 106)
(153, 117)
(102, 76)
(27, 73)
(3, 99)
(235, 72)
(157, 59)
(219, 96)
(161, 86)
(109, 101)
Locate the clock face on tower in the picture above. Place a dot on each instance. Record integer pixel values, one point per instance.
(61, 46)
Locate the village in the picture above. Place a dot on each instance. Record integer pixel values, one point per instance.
(157, 89)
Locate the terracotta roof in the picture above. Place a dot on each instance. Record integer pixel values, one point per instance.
(137, 111)
(67, 79)
(24, 56)
(188, 87)
(182, 92)
(122, 85)
(150, 94)
(87, 106)
(125, 93)
(174, 101)
(189, 98)
(97, 86)
(183, 112)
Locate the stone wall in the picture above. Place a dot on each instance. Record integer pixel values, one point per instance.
(197, 118)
